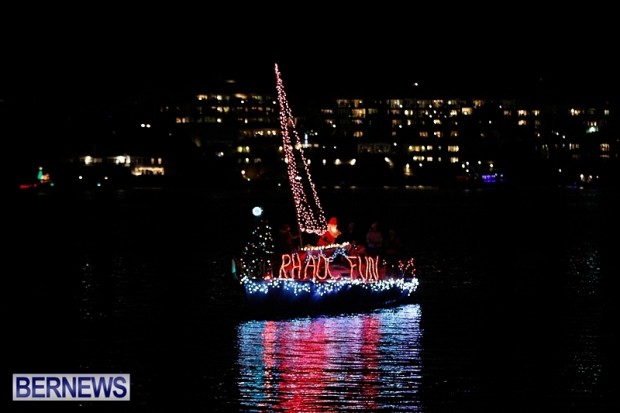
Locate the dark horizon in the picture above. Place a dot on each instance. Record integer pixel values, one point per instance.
(307, 81)
(116, 54)
(127, 58)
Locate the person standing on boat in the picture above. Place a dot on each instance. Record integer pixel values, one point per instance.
(355, 240)
(392, 247)
(286, 240)
(329, 237)
(374, 240)
(351, 235)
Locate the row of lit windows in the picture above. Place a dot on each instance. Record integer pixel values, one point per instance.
(362, 112)
(250, 133)
(211, 119)
(243, 97)
(427, 148)
(407, 103)
(410, 105)
(421, 134)
(593, 126)
(125, 160)
(431, 110)
(399, 123)
(602, 147)
(235, 109)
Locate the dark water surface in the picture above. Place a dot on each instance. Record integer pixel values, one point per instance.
(517, 292)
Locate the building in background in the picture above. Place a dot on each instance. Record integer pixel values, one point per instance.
(230, 135)
(413, 140)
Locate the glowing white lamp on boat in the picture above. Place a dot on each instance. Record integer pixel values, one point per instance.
(257, 211)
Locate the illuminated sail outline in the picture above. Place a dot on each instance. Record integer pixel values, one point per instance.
(310, 215)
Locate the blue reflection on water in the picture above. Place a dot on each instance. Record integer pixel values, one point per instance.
(368, 361)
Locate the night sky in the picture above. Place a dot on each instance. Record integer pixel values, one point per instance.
(115, 53)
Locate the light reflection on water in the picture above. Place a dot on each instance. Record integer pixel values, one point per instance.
(584, 270)
(583, 367)
(366, 362)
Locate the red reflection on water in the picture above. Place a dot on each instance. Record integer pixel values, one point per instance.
(303, 371)
(301, 360)
(369, 352)
(269, 348)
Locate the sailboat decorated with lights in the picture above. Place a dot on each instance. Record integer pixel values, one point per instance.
(320, 277)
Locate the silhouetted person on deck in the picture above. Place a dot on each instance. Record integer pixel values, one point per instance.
(286, 240)
(392, 247)
(351, 235)
(374, 240)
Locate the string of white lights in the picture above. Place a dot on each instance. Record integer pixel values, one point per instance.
(310, 215)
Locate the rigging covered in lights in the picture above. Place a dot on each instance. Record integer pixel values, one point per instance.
(310, 215)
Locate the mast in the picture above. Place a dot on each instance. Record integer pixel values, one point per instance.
(308, 209)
